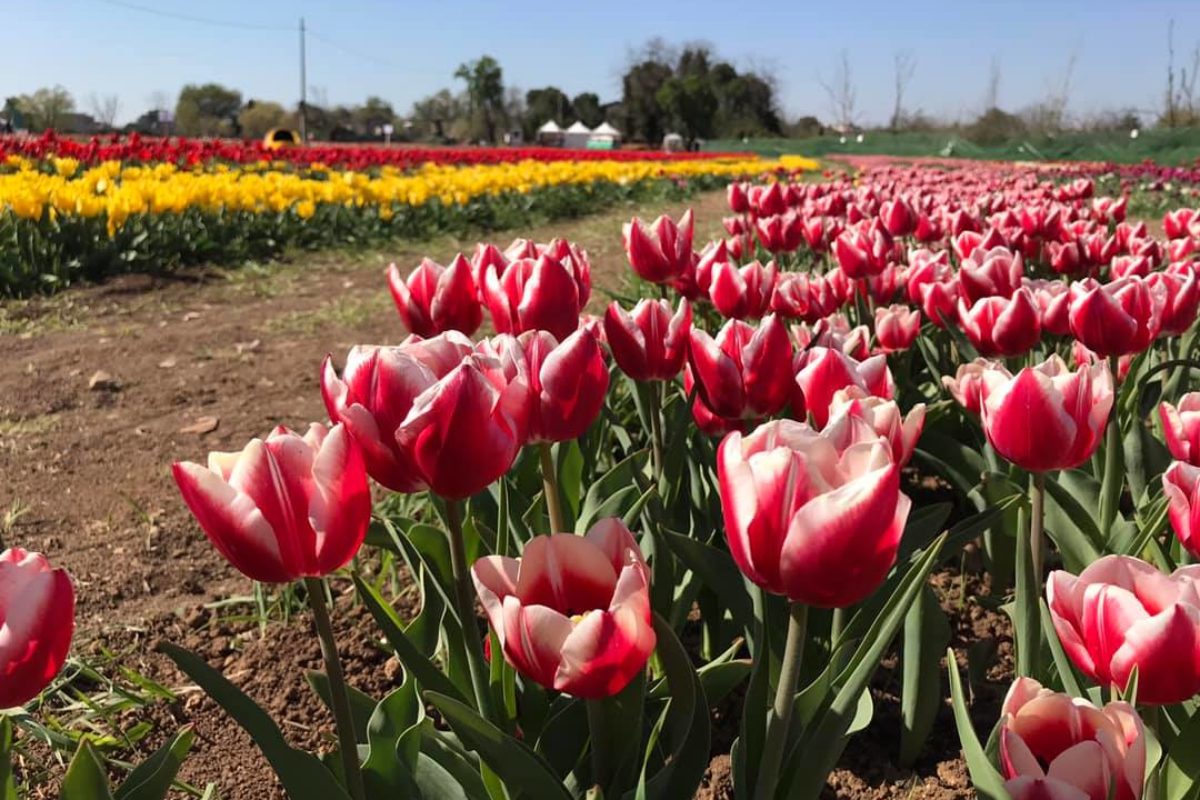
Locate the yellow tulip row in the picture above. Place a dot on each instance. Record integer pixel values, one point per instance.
(61, 188)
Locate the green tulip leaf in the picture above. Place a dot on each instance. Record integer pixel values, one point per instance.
(412, 659)
(86, 778)
(521, 769)
(8, 788)
(1181, 770)
(987, 781)
(718, 571)
(926, 634)
(362, 705)
(303, 775)
(152, 779)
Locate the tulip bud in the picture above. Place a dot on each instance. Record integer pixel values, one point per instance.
(1181, 428)
(1120, 615)
(967, 384)
(573, 613)
(821, 372)
(1047, 417)
(436, 299)
(1117, 318)
(896, 327)
(539, 294)
(37, 604)
(568, 384)
(999, 326)
(661, 252)
(744, 372)
(284, 508)
(649, 344)
(816, 517)
(1055, 746)
(745, 292)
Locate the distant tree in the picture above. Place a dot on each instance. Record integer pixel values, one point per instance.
(805, 127)
(260, 116)
(207, 110)
(485, 95)
(842, 93)
(691, 104)
(542, 105)
(105, 108)
(995, 126)
(644, 116)
(375, 113)
(435, 116)
(905, 66)
(587, 109)
(46, 108)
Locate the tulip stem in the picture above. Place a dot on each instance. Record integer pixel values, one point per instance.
(339, 699)
(550, 490)
(780, 717)
(1110, 491)
(466, 610)
(656, 430)
(598, 732)
(1037, 518)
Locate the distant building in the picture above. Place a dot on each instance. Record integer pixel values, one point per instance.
(76, 122)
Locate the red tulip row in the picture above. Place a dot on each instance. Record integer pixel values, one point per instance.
(818, 425)
(136, 148)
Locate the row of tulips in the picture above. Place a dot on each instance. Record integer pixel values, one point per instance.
(563, 474)
(184, 151)
(62, 220)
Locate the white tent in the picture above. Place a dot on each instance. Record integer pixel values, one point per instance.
(577, 136)
(607, 133)
(550, 134)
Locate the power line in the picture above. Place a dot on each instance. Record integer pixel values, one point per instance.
(220, 23)
(349, 51)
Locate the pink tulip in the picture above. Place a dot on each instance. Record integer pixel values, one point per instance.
(1180, 484)
(1058, 747)
(735, 195)
(436, 299)
(745, 292)
(939, 301)
(534, 294)
(377, 390)
(1117, 318)
(1047, 417)
(466, 429)
(1002, 326)
(898, 217)
(1054, 305)
(798, 295)
(821, 372)
(1129, 267)
(649, 344)
(1181, 292)
(991, 273)
(1181, 427)
(485, 257)
(660, 252)
(1122, 614)
(767, 200)
(282, 509)
(744, 372)
(816, 517)
(834, 331)
(884, 417)
(37, 606)
(568, 384)
(1182, 223)
(896, 327)
(1065, 258)
(573, 613)
(924, 268)
(967, 384)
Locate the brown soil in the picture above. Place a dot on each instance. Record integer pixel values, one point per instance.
(86, 480)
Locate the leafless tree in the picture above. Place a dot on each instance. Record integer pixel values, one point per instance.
(105, 108)
(905, 66)
(1170, 111)
(842, 94)
(1059, 95)
(991, 97)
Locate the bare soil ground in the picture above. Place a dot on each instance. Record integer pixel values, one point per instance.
(102, 387)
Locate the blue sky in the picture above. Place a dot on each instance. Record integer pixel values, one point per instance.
(404, 50)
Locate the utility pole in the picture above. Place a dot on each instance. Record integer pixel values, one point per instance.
(303, 89)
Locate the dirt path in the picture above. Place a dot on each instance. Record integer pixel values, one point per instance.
(86, 470)
(85, 458)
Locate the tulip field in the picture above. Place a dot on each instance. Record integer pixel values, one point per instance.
(72, 211)
(889, 488)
